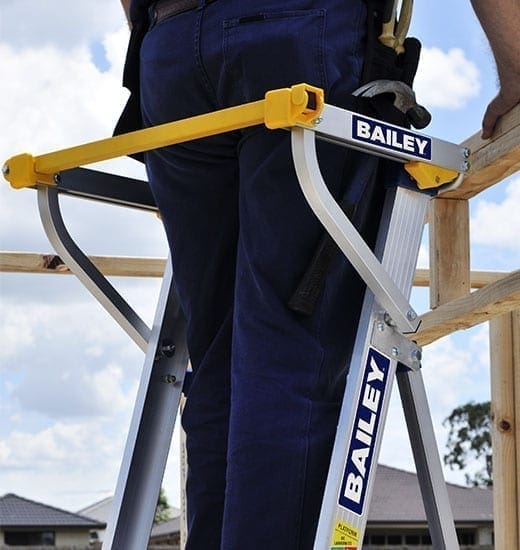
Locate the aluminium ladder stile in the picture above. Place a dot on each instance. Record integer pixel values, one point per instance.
(381, 352)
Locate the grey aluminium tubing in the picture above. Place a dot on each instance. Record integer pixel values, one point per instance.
(151, 428)
(85, 270)
(388, 295)
(398, 244)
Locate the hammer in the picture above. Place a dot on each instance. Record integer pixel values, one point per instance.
(404, 100)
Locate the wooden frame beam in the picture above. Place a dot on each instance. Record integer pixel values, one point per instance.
(132, 266)
(491, 160)
(117, 266)
(477, 279)
(498, 298)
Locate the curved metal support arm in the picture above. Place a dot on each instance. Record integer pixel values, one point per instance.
(345, 234)
(85, 270)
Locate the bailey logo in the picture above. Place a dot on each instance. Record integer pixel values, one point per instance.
(363, 438)
(391, 137)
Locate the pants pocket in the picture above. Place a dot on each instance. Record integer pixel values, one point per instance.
(265, 51)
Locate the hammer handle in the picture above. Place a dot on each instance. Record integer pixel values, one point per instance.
(311, 285)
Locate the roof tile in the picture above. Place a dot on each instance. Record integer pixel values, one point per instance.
(18, 511)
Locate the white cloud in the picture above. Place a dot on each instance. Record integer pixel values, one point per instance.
(72, 464)
(62, 462)
(423, 260)
(446, 79)
(68, 372)
(15, 333)
(69, 396)
(28, 23)
(70, 390)
(68, 379)
(497, 224)
(54, 99)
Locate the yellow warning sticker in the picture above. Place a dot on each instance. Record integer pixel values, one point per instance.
(345, 536)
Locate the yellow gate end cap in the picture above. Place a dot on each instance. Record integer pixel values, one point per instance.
(19, 172)
(429, 176)
(301, 104)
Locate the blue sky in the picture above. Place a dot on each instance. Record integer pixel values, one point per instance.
(68, 374)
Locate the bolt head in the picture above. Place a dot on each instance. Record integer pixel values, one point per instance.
(395, 352)
(411, 315)
(167, 348)
(5, 169)
(389, 321)
(416, 355)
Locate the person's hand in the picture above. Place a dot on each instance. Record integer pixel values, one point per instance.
(501, 23)
(507, 98)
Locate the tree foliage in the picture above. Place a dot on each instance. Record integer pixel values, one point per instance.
(163, 510)
(469, 440)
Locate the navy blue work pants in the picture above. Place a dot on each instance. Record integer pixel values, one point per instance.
(263, 405)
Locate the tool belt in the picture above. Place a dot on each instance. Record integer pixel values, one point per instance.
(388, 56)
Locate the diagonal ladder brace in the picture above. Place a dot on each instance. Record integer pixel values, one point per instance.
(381, 352)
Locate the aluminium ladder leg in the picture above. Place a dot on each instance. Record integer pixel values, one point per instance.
(159, 391)
(379, 350)
(151, 429)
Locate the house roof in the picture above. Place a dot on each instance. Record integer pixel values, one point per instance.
(99, 511)
(16, 511)
(167, 527)
(397, 498)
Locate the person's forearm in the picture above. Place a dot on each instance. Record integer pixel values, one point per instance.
(500, 20)
(126, 7)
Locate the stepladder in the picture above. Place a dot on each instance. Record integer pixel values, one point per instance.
(384, 350)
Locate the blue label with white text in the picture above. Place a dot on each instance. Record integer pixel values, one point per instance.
(364, 433)
(390, 137)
